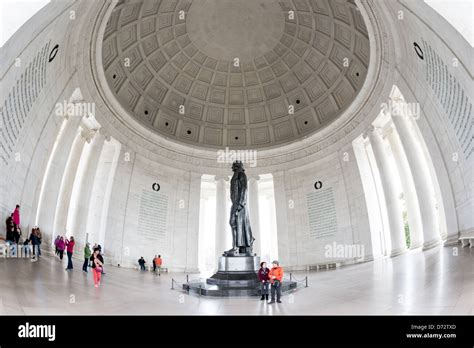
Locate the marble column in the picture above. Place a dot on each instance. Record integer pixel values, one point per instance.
(57, 164)
(281, 206)
(67, 182)
(254, 213)
(84, 189)
(388, 173)
(423, 183)
(221, 216)
(408, 186)
(192, 240)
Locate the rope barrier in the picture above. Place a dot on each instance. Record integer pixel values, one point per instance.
(299, 280)
(173, 281)
(304, 280)
(182, 282)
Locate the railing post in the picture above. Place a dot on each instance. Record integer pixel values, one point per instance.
(306, 280)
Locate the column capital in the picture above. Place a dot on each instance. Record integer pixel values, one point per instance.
(88, 134)
(223, 178)
(279, 174)
(368, 131)
(253, 177)
(387, 130)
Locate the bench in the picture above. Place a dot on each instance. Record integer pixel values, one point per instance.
(467, 238)
(163, 269)
(325, 265)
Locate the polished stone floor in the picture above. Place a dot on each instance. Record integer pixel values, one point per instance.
(432, 282)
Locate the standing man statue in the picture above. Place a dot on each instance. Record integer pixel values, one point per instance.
(242, 239)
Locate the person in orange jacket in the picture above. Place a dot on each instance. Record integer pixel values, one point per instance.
(157, 262)
(276, 277)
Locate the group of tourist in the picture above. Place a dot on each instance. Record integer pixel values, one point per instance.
(13, 234)
(157, 263)
(269, 278)
(93, 259)
(63, 243)
(273, 278)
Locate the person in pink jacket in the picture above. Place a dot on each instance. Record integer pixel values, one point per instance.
(16, 224)
(61, 245)
(70, 249)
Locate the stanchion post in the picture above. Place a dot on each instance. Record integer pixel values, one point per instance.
(172, 284)
(187, 278)
(306, 281)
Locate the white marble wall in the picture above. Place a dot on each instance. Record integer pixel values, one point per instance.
(22, 176)
(453, 170)
(123, 242)
(297, 248)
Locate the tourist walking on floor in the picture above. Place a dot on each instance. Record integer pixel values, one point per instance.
(97, 264)
(93, 248)
(61, 247)
(141, 262)
(39, 238)
(34, 243)
(87, 255)
(276, 277)
(263, 275)
(100, 251)
(70, 250)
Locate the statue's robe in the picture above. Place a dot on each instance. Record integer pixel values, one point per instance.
(239, 217)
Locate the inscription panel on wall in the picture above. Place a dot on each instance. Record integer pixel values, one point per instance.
(152, 215)
(321, 213)
(15, 109)
(452, 96)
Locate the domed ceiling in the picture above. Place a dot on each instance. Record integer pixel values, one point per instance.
(220, 73)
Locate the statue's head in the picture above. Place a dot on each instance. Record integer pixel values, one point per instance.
(237, 166)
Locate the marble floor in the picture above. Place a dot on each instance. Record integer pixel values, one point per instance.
(436, 281)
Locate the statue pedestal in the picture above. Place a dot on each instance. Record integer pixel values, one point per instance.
(236, 276)
(236, 272)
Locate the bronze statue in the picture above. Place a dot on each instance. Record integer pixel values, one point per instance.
(242, 239)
